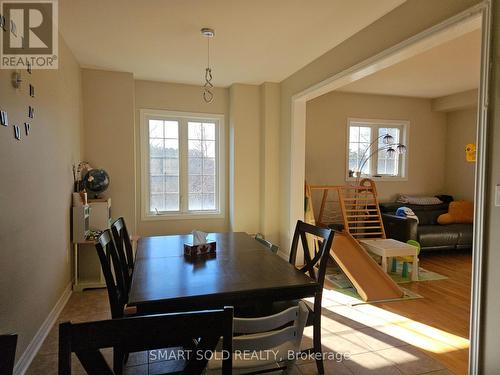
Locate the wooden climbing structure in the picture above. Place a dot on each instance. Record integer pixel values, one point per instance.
(354, 207)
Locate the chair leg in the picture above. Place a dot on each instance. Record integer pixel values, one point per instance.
(118, 359)
(318, 352)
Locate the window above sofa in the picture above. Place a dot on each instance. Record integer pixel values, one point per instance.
(373, 147)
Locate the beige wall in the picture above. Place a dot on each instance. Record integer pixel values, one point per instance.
(185, 98)
(35, 196)
(245, 174)
(269, 161)
(326, 136)
(108, 102)
(461, 129)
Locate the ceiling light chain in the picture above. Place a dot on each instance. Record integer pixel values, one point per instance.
(208, 95)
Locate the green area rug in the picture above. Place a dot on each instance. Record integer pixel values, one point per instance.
(340, 283)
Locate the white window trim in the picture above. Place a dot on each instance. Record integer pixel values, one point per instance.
(404, 137)
(145, 114)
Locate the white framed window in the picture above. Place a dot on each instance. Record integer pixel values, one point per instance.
(377, 149)
(182, 165)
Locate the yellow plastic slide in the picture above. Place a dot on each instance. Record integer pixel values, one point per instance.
(371, 282)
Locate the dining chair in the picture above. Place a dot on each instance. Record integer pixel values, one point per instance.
(260, 238)
(142, 333)
(7, 353)
(315, 263)
(272, 339)
(124, 248)
(114, 275)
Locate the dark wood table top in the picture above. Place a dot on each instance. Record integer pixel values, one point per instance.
(242, 271)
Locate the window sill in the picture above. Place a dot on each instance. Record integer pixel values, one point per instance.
(381, 179)
(183, 216)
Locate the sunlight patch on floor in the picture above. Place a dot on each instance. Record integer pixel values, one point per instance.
(400, 327)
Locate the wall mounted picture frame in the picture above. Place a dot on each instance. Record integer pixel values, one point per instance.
(27, 128)
(17, 132)
(4, 119)
(32, 90)
(31, 112)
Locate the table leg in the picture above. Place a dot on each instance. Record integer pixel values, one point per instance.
(414, 269)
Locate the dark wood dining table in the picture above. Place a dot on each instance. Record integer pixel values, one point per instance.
(243, 272)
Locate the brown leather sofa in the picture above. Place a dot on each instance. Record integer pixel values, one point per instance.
(430, 234)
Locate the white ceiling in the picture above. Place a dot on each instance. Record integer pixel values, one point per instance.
(449, 68)
(256, 41)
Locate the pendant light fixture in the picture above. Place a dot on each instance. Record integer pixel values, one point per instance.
(208, 95)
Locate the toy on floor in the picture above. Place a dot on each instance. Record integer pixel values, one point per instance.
(405, 260)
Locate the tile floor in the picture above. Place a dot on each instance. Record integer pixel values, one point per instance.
(359, 339)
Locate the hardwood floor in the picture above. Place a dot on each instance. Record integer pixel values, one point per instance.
(445, 306)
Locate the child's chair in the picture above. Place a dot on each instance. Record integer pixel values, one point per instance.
(405, 260)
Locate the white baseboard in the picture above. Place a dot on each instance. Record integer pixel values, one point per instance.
(29, 354)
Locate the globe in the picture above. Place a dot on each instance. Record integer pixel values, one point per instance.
(96, 181)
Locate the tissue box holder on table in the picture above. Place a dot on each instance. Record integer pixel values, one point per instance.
(191, 250)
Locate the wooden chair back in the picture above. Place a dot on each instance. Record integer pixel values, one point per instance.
(316, 257)
(7, 353)
(142, 333)
(124, 248)
(113, 273)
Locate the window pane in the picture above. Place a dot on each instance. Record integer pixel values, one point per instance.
(208, 184)
(209, 149)
(194, 130)
(156, 148)
(209, 166)
(172, 184)
(354, 134)
(365, 134)
(171, 129)
(208, 131)
(195, 149)
(388, 165)
(157, 184)
(195, 184)
(171, 202)
(157, 202)
(194, 202)
(194, 165)
(155, 129)
(208, 201)
(156, 166)
(171, 148)
(359, 142)
(171, 166)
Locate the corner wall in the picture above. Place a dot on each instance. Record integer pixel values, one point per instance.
(35, 194)
(108, 102)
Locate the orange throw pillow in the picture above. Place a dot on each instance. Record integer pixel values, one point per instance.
(459, 212)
